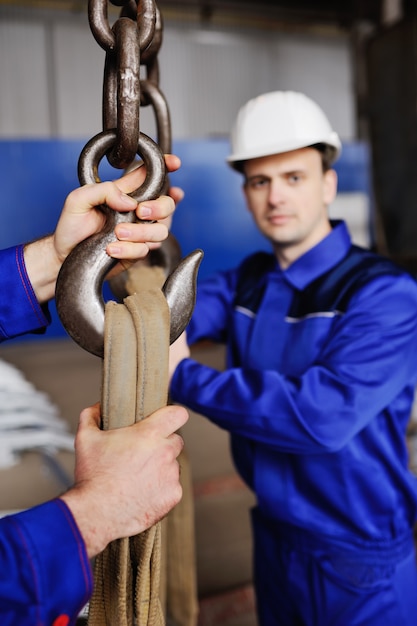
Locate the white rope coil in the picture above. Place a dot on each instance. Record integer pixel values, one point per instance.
(28, 419)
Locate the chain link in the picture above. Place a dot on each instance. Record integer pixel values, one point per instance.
(132, 42)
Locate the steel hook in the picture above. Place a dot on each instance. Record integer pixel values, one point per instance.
(81, 306)
(78, 294)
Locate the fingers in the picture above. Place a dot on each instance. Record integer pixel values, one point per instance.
(137, 233)
(90, 417)
(172, 162)
(157, 210)
(131, 181)
(134, 240)
(164, 422)
(177, 194)
(83, 199)
(167, 420)
(149, 210)
(129, 235)
(115, 194)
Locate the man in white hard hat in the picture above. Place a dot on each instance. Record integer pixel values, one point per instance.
(321, 343)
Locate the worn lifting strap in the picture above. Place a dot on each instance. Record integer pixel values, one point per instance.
(135, 382)
(139, 579)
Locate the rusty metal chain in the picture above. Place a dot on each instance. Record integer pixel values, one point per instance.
(132, 42)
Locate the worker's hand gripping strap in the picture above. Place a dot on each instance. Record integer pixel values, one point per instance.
(135, 383)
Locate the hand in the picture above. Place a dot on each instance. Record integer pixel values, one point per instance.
(81, 218)
(178, 351)
(126, 479)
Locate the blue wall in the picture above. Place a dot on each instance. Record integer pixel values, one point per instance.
(38, 175)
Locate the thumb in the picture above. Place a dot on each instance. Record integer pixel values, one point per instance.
(90, 417)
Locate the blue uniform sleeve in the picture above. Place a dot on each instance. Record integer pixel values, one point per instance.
(364, 364)
(20, 311)
(45, 573)
(212, 310)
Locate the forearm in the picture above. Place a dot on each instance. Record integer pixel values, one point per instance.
(318, 412)
(42, 266)
(92, 522)
(345, 376)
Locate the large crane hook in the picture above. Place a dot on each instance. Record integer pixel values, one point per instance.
(78, 295)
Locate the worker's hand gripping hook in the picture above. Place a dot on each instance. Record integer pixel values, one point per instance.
(78, 295)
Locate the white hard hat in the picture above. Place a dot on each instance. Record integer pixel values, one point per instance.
(277, 122)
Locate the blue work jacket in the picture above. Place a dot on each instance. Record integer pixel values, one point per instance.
(318, 389)
(45, 574)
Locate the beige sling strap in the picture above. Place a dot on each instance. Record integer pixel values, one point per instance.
(178, 567)
(147, 575)
(135, 382)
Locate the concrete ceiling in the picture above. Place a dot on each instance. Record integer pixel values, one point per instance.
(341, 13)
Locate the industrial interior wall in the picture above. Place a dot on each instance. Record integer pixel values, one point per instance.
(51, 72)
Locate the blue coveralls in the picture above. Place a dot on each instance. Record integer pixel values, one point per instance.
(45, 574)
(320, 378)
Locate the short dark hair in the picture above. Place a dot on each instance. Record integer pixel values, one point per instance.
(327, 154)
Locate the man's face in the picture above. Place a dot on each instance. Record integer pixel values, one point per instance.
(288, 196)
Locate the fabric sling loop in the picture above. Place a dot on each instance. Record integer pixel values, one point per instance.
(135, 383)
(178, 589)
